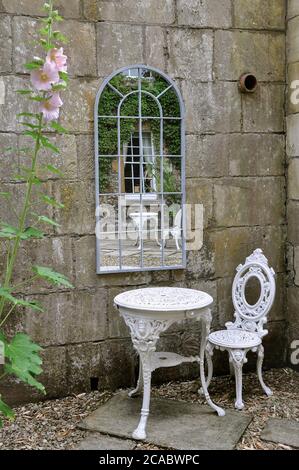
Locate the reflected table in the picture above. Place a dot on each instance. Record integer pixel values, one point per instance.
(140, 219)
(151, 311)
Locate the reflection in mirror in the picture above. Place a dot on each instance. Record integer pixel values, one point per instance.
(140, 165)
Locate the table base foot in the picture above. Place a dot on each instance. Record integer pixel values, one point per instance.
(139, 434)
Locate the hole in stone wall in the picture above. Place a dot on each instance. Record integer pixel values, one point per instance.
(94, 383)
(248, 83)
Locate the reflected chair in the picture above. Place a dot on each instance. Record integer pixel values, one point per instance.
(247, 331)
(175, 231)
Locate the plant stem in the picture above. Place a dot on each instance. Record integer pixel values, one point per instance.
(24, 213)
(8, 315)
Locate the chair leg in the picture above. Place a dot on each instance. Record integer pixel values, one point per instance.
(208, 354)
(260, 359)
(136, 392)
(238, 358)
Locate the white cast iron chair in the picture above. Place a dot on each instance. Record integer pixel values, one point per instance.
(247, 331)
(175, 231)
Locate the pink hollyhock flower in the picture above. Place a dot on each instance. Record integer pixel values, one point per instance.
(56, 56)
(50, 107)
(43, 79)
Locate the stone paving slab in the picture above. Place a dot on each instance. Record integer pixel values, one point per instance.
(282, 431)
(97, 441)
(172, 424)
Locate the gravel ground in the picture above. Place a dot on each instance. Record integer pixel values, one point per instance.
(53, 424)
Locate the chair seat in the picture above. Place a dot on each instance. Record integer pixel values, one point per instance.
(235, 339)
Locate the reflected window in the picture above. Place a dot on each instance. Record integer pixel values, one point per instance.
(140, 160)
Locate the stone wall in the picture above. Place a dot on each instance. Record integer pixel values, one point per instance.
(235, 167)
(293, 175)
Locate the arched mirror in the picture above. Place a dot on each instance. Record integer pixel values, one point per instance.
(140, 172)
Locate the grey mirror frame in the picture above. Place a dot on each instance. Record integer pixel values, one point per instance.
(172, 85)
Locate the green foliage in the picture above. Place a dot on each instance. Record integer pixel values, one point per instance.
(23, 360)
(108, 106)
(52, 277)
(6, 411)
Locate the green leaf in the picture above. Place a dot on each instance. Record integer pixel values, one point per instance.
(52, 202)
(24, 92)
(6, 294)
(47, 144)
(35, 64)
(54, 170)
(46, 220)
(58, 36)
(8, 231)
(29, 115)
(28, 124)
(6, 195)
(32, 232)
(6, 411)
(34, 135)
(64, 76)
(39, 99)
(24, 359)
(60, 86)
(57, 127)
(52, 276)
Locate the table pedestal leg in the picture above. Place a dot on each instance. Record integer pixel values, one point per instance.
(145, 334)
(205, 330)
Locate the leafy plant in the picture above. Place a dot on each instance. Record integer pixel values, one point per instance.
(48, 78)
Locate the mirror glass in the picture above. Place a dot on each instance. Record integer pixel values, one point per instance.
(139, 136)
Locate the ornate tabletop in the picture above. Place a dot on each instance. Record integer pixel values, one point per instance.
(165, 299)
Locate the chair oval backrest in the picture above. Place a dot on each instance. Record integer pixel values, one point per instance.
(256, 266)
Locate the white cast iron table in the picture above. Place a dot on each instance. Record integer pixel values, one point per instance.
(148, 312)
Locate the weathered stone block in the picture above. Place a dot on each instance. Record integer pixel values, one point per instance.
(293, 8)
(113, 363)
(201, 192)
(9, 159)
(212, 107)
(190, 54)
(293, 225)
(293, 40)
(68, 9)
(138, 11)
(275, 356)
(293, 179)
(293, 135)
(202, 13)
(292, 100)
(201, 264)
(78, 214)
(296, 264)
(81, 37)
(155, 47)
(293, 314)
(118, 45)
(254, 154)
(53, 252)
(77, 114)
(54, 376)
(249, 201)
(259, 14)
(117, 326)
(231, 246)
(85, 156)
(65, 161)
(13, 103)
(69, 317)
(263, 111)
(264, 57)
(206, 155)
(6, 41)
